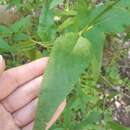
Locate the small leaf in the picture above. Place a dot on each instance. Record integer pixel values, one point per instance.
(54, 3)
(65, 24)
(21, 37)
(116, 126)
(20, 25)
(93, 117)
(4, 46)
(97, 38)
(4, 31)
(59, 129)
(23, 46)
(46, 30)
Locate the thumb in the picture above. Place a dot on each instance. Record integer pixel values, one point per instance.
(2, 64)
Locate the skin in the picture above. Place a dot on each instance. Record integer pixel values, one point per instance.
(19, 88)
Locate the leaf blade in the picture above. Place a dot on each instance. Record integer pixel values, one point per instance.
(5, 46)
(66, 64)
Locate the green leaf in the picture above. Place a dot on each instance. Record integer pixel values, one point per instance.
(65, 24)
(4, 31)
(16, 3)
(21, 37)
(124, 3)
(4, 46)
(97, 38)
(46, 25)
(93, 117)
(69, 58)
(54, 3)
(21, 25)
(116, 126)
(108, 17)
(23, 46)
(115, 20)
(59, 129)
(82, 15)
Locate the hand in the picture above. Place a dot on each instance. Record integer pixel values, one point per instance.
(19, 88)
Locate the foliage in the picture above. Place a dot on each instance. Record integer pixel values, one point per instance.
(74, 32)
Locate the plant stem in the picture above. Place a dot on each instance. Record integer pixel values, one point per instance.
(41, 44)
(106, 81)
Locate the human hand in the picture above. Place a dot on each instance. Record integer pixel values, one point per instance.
(19, 88)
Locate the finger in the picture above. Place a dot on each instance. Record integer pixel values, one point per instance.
(13, 78)
(57, 114)
(25, 115)
(22, 95)
(2, 64)
(29, 127)
(6, 120)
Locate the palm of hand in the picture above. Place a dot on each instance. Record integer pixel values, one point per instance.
(7, 122)
(19, 88)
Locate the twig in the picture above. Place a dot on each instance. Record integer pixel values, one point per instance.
(106, 81)
(41, 44)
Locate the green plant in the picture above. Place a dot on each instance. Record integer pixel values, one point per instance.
(79, 47)
(74, 32)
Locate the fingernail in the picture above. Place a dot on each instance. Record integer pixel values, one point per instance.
(1, 58)
(2, 61)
